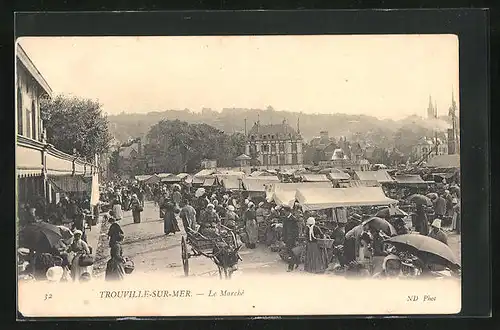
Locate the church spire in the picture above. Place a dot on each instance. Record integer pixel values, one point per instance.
(430, 109)
(298, 125)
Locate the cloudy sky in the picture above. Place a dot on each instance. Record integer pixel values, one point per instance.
(383, 76)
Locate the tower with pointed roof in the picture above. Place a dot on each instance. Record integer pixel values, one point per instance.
(430, 109)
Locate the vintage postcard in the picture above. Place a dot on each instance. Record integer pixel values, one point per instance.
(238, 175)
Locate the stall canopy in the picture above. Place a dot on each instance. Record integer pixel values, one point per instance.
(209, 182)
(258, 184)
(260, 173)
(314, 178)
(284, 197)
(380, 176)
(339, 176)
(409, 180)
(171, 179)
(444, 161)
(142, 178)
(325, 198)
(205, 173)
(359, 183)
(231, 183)
(273, 187)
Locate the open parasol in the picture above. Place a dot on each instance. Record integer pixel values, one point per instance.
(41, 237)
(65, 232)
(420, 199)
(428, 248)
(386, 212)
(377, 223)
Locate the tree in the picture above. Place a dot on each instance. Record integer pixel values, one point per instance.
(179, 146)
(76, 123)
(114, 163)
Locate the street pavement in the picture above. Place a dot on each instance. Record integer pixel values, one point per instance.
(154, 252)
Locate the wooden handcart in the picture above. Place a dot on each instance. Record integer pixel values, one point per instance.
(222, 248)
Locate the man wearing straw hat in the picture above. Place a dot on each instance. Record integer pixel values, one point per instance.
(437, 233)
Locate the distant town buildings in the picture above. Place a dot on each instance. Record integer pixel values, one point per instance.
(429, 147)
(275, 144)
(208, 163)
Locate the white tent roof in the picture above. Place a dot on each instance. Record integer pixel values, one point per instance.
(314, 178)
(205, 172)
(273, 187)
(381, 176)
(325, 198)
(258, 184)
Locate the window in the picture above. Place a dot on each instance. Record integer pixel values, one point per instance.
(33, 121)
(294, 159)
(424, 149)
(28, 123)
(265, 148)
(265, 160)
(19, 111)
(282, 147)
(274, 160)
(273, 148)
(294, 147)
(272, 137)
(282, 160)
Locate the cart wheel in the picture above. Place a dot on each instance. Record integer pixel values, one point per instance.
(184, 256)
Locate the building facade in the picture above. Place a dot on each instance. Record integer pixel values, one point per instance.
(426, 148)
(274, 145)
(42, 170)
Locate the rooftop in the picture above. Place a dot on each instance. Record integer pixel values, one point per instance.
(273, 131)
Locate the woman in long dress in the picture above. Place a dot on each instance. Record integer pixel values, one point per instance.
(117, 208)
(114, 268)
(79, 248)
(115, 232)
(136, 208)
(170, 225)
(251, 226)
(315, 257)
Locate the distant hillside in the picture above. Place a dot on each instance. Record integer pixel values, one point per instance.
(125, 126)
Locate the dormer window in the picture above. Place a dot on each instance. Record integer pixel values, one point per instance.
(272, 137)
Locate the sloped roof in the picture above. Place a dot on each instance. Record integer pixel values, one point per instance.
(182, 175)
(380, 176)
(208, 182)
(325, 198)
(444, 161)
(260, 173)
(163, 175)
(272, 188)
(339, 176)
(280, 131)
(231, 183)
(205, 172)
(126, 152)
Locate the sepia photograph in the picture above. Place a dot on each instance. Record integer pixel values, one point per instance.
(238, 175)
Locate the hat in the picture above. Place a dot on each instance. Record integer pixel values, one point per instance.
(247, 201)
(225, 196)
(78, 232)
(54, 274)
(261, 203)
(389, 257)
(436, 223)
(210, 205)
(250, 204)
(230, 208)
(310, 221)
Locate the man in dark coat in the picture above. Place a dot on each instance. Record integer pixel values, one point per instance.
(290, 235)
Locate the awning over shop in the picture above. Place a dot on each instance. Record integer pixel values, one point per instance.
(314, 178)
(444, 161)
(325, 198)
(380, 176)
(71, 183)
(205, 172)
(196, 180)
(171, 179)
(284, 197)
(28, 161)
(142, 178)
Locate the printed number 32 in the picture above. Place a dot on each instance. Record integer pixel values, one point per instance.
(48, 296)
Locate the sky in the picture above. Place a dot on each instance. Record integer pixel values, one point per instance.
(386, 76)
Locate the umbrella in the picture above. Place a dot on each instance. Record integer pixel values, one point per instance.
(432, 195)
(40, 236)
(385, 213)
(455, 189)
(377, 223)
(428, 247)
(420, 199)
(199, 192)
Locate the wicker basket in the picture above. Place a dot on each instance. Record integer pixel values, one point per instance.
(129, 266)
